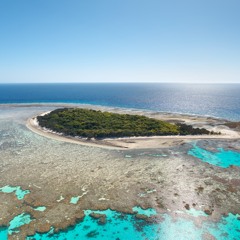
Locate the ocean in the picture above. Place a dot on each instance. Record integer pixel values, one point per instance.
(215, 100)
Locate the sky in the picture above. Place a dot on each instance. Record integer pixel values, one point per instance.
(119, 41)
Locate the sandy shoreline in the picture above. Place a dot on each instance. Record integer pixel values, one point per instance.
(143, 142)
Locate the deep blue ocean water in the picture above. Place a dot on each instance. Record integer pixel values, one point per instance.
(218, 100)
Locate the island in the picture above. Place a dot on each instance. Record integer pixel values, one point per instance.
(89, 123)
(123, 129)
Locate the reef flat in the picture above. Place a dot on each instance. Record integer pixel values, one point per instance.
(64, 180)
(174, 129)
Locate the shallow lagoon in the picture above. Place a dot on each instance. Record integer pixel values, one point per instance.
(3, 233)
(119, 226)
(74, 200)
(40, 208)
(17, 222)
(17, 190)
(222, 158)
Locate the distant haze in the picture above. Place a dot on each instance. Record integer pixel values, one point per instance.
(120, 41)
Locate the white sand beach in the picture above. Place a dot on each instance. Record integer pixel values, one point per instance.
(211, 124)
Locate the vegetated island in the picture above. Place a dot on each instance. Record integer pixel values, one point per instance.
(88, 123)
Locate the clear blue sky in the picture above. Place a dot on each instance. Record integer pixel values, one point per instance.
(119, 40)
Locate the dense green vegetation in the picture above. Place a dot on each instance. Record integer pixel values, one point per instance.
(185, 129)
(97, 124)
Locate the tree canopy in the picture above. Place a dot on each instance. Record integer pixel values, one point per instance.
(91, 123)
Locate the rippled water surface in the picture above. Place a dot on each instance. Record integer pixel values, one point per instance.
(219, 100)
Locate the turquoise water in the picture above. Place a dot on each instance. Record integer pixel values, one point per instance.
(148, 212)
(20, 194)
(40, 208)
(126, 226)
(222, 158)
(74, 200)
(3, 233)
(17, 222)
(227, 228)
(119, 226)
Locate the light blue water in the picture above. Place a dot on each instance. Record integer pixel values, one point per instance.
(126, 226)
(74, 200)
(227, 228)
(148, 212)
(17, 190)
(40, 208)
(118, 226)
(3, 233)
(222, 158)
(17, 222)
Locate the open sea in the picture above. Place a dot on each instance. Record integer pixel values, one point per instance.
(217, 100)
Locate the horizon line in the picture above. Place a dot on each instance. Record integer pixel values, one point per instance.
(94, 82)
